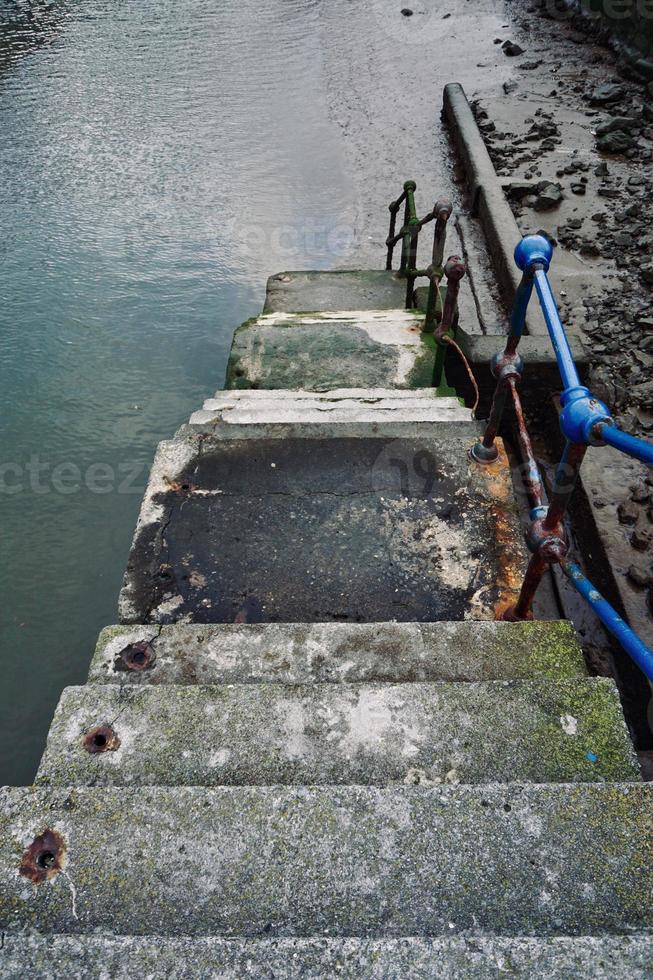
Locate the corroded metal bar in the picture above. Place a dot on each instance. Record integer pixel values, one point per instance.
(530, 470)
(442, 212)
(523, 608)
(564, 483)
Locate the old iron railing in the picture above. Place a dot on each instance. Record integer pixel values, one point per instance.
(452, 270)
(585, 421)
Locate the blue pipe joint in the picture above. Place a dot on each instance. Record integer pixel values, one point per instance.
(580, 413)
(533, 250)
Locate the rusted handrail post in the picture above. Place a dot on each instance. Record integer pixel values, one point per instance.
(441, 212)
(454, 271)
(391, 240)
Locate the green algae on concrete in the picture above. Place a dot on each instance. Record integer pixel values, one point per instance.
(359, 861)
(324, 350)
(264, 734)
(303, 653)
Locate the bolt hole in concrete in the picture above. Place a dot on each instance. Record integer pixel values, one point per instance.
(159, 161)
(104, 738)
(46, 860)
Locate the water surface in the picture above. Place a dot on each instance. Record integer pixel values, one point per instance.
(158, 160)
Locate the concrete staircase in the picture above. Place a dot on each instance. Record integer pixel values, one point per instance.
(308, 749)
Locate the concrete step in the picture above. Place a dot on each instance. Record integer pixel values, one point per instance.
(305, 528)
(343, 348)
(300, 653)
(345, 289)
(276, 861)
(187, 958)
(368, 734)
(356, 405)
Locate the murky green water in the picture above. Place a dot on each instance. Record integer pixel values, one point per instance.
(158, 160)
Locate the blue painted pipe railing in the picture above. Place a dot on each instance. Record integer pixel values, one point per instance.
(611, 619)
(584, 420)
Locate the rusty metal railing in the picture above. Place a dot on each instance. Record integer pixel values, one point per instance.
(452, 270)
(585, 421)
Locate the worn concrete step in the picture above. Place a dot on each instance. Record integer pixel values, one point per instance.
(301, 653)
(344, 289)
(333, 861)
(186, 958)
(356, 405)
(304, 528)
(377, 734)
(342, 348)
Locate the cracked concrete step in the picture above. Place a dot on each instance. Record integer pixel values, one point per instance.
(333, 861)
(356, 405)
(300, 528)
(243, 734)
(302, 653)
(186, 958)
(333, 349)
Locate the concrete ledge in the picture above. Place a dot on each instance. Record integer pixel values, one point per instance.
(344, 289)
(302, 653)
(334, 861)
(481, 957)
(498, 222)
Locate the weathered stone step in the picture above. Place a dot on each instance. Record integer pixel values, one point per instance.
(303, 529)
(301, 653)
(332, 861)
(333, 349)
(356, 405)
(187, 958)
(343, 289)
(243, 734)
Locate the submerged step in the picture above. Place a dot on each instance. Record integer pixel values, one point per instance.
(333, 349)
(309, 529)
(302, 653)
(356, 405)
(345, 289)
(264, 734)
(186, 958)
(336, 861)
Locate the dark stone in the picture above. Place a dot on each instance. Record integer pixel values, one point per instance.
(641, 539)
(511, 49)
(407, 12)
(615, 142)
(549, 195)
(627, 512)
(607, 93)
(639, 576)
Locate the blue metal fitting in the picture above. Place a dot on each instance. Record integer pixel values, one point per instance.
(534, 250)
(580, 413)
(538, 513)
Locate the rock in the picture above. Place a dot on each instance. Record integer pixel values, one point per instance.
(641, 539)
(578, 188)
(627, 512)
(549, 195)
(624, 123)
(517, 189)
(607, 93)
(511, 49)
(639, 576)
(615, 142)
(509, 87)
(407, 12)
(646, 272)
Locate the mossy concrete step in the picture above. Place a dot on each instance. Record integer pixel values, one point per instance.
(187, 958)
(497, 731)
(301, 653)
(355, 405)
(335, 349)
(312, 529)
(333, 861)
(345, 289)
